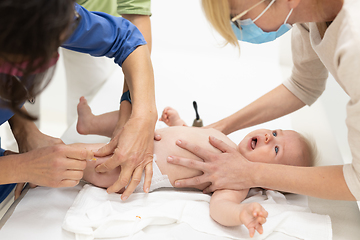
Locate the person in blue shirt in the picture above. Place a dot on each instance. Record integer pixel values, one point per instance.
(30, 33)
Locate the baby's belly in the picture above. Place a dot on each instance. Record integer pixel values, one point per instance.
(167, 147)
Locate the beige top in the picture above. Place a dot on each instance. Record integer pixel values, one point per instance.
(339, 53)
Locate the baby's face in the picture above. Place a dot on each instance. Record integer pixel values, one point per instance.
(273, 146)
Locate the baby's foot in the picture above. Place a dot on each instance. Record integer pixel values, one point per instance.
(253, 216)
(171, 117)
(84, 117)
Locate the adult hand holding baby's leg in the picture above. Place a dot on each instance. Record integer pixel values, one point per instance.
(132, 149)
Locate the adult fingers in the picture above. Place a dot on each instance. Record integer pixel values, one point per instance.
(109, 164)
(18, 189)
(123, 181)
(73, 175)
(192, 164)
(76, 165)
(148, 177)
(68, 183)
(186, 162)
(107, 149)
(223, 147)
(195, 149)
(32, 185)
(68, 178)
(77, 154)
(135, 180)
(181, 183)
(209, 189)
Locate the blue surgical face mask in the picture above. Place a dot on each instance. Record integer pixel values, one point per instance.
(251, 33)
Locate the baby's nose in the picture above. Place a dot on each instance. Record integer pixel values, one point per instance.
(267, 138)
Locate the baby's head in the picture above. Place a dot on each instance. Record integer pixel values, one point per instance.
(277, 146)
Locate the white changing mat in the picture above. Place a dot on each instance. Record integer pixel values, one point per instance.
(96, 214)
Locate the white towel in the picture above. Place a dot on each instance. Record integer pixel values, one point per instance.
(97, 214)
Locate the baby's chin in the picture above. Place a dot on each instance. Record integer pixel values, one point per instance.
(241, 147)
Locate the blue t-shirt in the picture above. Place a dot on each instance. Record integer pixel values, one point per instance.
(99, 34)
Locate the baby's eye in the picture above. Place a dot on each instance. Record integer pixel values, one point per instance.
(274, 134)
(276, 150)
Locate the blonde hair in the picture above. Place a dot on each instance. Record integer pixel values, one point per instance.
(217, 13)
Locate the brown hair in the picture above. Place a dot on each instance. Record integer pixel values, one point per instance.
(31, 31)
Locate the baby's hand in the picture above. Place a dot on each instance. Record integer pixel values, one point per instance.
(253, 216)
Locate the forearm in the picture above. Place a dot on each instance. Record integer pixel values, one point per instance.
(226, 212)
(22, 128)
(276, 103)
(225, 207)
(140, 80)
(125, 110)
(323, 182)
(9, 169)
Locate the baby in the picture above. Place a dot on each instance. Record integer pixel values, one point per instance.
(277, 146)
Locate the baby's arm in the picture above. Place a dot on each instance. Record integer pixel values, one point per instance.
(226, 208)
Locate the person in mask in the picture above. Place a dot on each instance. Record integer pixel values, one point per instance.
(31, 33)
(325, 38)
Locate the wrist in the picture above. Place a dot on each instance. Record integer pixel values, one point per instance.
(21, 128)
(149, 115)
(11, 169)
(255, 170)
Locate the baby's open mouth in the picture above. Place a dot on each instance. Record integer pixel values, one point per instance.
(253, 143)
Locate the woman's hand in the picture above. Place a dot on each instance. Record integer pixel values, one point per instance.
(132, 147)
(56, 166)
(226, 170)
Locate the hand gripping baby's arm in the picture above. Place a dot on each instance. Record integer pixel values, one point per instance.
(226, 208)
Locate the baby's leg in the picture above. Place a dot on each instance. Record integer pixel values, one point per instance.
(88, 123)
(103, 180)
(171, 117)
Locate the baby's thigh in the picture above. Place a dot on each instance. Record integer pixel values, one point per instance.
(103, 180)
